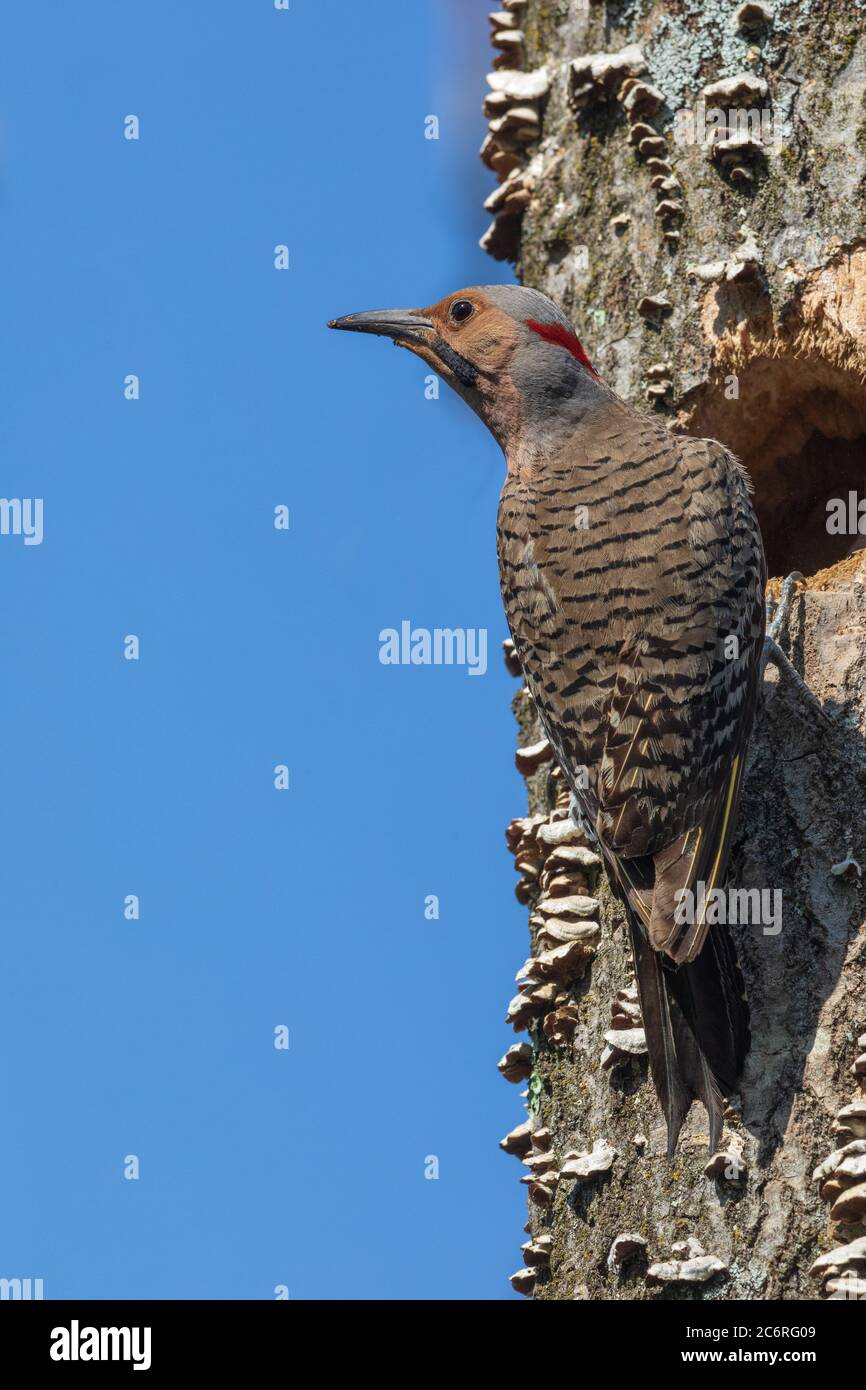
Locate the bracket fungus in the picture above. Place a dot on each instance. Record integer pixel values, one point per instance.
(536, 1252)
(837, 1267)
(851, 1120)
(533, 756)
(622, 1045)
(641, 131)
(652, 146)
(572, 858)
(570, 959)
(521, 86)
(624, 1248)
(523, 1280)
(841, 1177)
(736, 155)
(560, 1024)
(585, 1167)
(743, 89)
(540, 1161)
(530, 839)
(519, 123)
(727, 1165)
(850, 1206)
(560, 832)
(518, 1141)
(640, 99)
(511, 197)
(626, 1037)
(690, 1265)
(511, 43)
(660, 382)
(688, 1249)
(541, 1189)
(654, 308)
(516, 1064)
(847, 1286)
(575, 908)
(841, 1180)
(514, 109)
(697, 1271)
(512, 660)
(521, 1011)
(597, 76)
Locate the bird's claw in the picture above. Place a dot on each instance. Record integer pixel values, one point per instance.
(782, 609)
(773, 653)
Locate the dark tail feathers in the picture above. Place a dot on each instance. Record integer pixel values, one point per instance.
(697, 1027)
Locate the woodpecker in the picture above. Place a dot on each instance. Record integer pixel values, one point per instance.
(633, 577)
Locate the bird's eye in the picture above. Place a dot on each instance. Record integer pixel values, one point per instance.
(461, 310)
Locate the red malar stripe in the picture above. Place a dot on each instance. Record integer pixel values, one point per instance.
(555, 333)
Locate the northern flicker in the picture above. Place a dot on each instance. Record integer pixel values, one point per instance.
(633, 576)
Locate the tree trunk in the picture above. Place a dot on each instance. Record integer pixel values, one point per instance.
(712, 257)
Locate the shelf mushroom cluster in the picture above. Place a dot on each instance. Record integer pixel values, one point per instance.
(739, 154)
(557, 874)
(841, 1180)
(842, 1272)
(690, 1265)
(625, 1037)
(598, 77)
(507, 35)
(535, 1149)
(514, 109)
(536, 1254)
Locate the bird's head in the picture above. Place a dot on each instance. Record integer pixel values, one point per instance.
(509, 351)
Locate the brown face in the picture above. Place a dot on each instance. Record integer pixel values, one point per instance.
(469, 337)
(465, 338)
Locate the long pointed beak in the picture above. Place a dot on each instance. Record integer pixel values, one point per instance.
(403, 325)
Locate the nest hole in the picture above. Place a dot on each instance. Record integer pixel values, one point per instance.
(792, 504)
(799, 426)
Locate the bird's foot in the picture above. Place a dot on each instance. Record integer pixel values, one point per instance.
(782, 611)
(774, 655)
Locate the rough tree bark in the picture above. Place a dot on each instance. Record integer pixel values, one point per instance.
(723, 283)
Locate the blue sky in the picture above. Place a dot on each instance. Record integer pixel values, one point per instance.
(154, 777)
